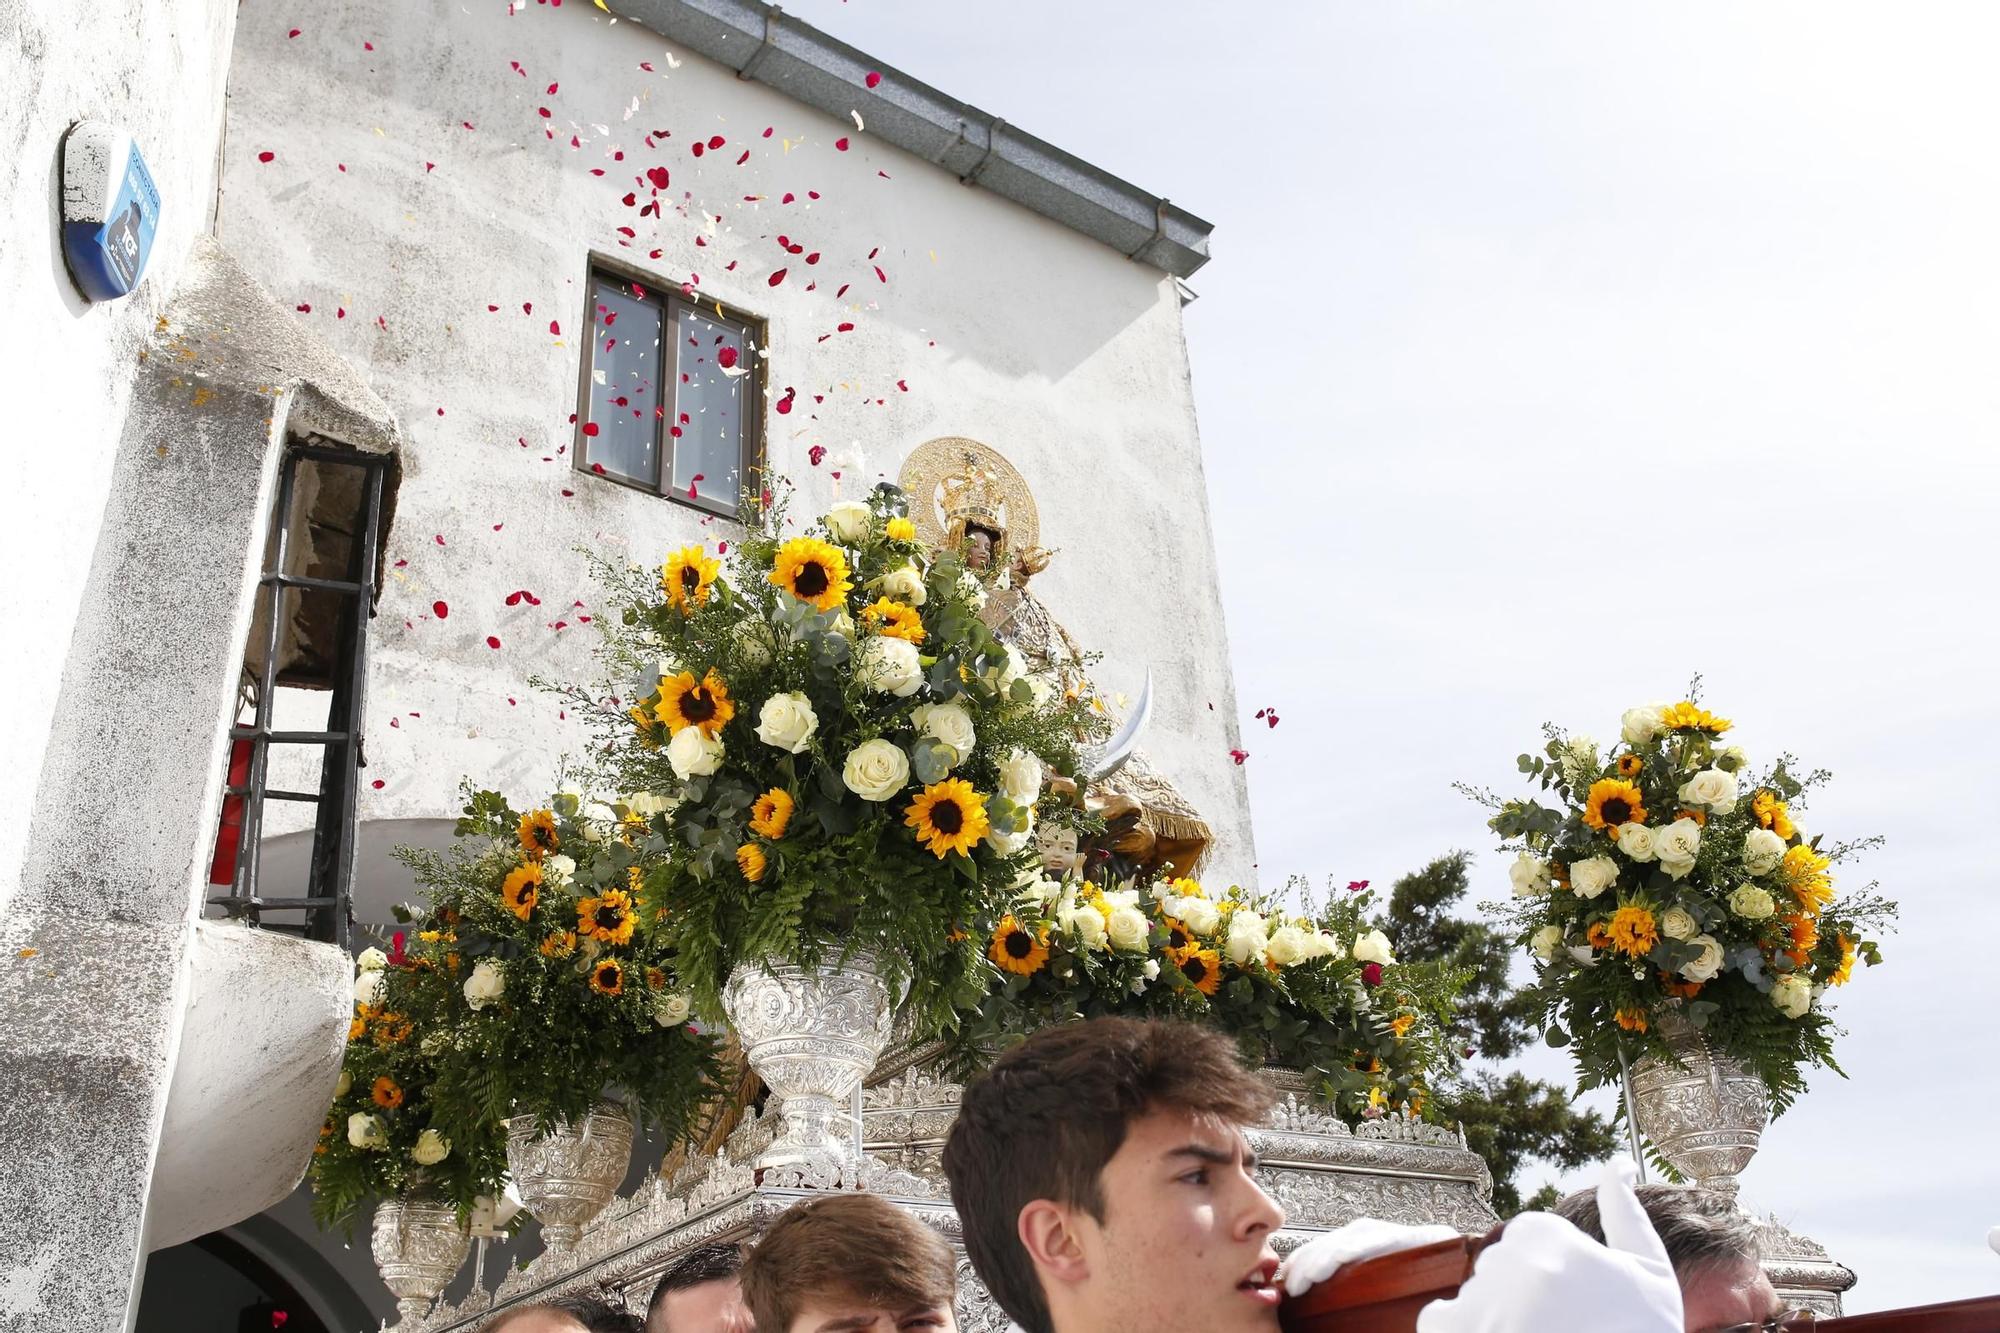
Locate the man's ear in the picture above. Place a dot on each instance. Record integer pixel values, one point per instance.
(1048, 1232)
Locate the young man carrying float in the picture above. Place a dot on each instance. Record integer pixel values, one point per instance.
(1104, 1185)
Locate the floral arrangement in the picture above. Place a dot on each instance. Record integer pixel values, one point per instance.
(384, 1137)
(1671, 883)
(848, 758)
(1324, 995)
(540, 983)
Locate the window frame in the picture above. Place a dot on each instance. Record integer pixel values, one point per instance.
(665, 295)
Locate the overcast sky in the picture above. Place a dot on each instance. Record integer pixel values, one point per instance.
(1550, 354)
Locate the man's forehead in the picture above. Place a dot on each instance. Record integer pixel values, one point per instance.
(1168, 1129)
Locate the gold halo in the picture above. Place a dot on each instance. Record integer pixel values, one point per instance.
(922, 479)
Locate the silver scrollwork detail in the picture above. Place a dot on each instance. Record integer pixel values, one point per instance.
(418, 1248)
(567, 1176)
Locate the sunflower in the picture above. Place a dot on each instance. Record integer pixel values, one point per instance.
(522, 889)
(949, 817)
(559, 945)
(750, 859)
(1700, 817)
(772, 813)
(1188, 888)
(686, 578)
(1685, 990)
(645, 724)
(1179, 937)
(1633, 931)
(1803, 872)
(656, 978)
(1401, 1025)
(812, 571)
(703, 704)
(1019, 952)
(386, 1094)
(1685, 716)
(538, 834)
(900, 530)
(1770, 813)
(1613, 801)
(1804, 931)
(357, 1027)
(1632, 1020)
(606, 918)
(391, 1029)
(1629, 765)
(1203, 967)
(1599, 937)
(1846, 968)
(894, 620)
(607, 977)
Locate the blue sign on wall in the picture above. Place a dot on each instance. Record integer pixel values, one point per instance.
(111, 210)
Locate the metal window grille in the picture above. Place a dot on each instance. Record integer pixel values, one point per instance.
(325, 903)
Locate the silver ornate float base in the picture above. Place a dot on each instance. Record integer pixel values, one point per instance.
(812, 1035)
(1706, 1117)
(564, 1178)
(418, 1248)
(1323, 1172)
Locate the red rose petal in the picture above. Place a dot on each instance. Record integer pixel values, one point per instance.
(1239, 756)
(266, 156)
(775, 278)
(555, 329)
(293, 33)
(659, 176)
(492, 641)
(815, 454)
(377, 784)
(784, 404)
(874, 78)
(841, 144)
(726, 358)
(441, 610)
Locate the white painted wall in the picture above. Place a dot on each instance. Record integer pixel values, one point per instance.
(1003, 325)
(66, 367)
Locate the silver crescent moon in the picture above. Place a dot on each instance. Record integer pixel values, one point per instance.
(1101, 761)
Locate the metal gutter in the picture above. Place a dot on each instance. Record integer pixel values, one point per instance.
(761, 42)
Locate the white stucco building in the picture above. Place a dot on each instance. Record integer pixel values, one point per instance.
(441, 206)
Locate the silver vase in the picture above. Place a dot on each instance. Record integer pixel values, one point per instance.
(1706, 1118)
(811, 1034)
(565, 1177)
(418, 1248)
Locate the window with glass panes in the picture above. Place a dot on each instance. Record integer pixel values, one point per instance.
(670, 400)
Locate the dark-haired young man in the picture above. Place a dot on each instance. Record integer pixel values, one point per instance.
(699, 1293)
(1104, 1184)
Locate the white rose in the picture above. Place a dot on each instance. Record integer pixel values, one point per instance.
(1592, 876)
(1708, 964)
(1677, 924)
(1087, 923)
(343, 1083)
(368, 988)
(1128, 929)
(1042, 688)
(949, 723)
(1320, 944)
(1637, 842)
(1762, 850)
(1584, 955)
(974, 590)
(597, 819)
(365, 1131)
(1021, 777)
(1640, 725)
(755, 642)
(889, 666)
(693, 755)
(1289, 946)
(1678, 844)
(372, 959)
(1372, 947)
(432, 1148)
(1198, 914)
(1733, 760)
(1751, 903)
(1007, 844)
(1247, 938)
(1711, 788)
(849, 521)
(1150, 972)
(670, 1010)
(1530, 876)
(906, 585)
(787, 722)
(1579, 759)
(1792, 995)
(1012, 667)
(1040, 890)
(876, 770)
(1545, 941)
(646, 804)
(558, 870)
(485, 984)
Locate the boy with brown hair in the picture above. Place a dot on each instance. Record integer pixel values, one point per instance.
(1104, 1185)
(850, 1263)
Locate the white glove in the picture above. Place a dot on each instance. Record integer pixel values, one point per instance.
(1363, 1238)
(1544, 1274)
